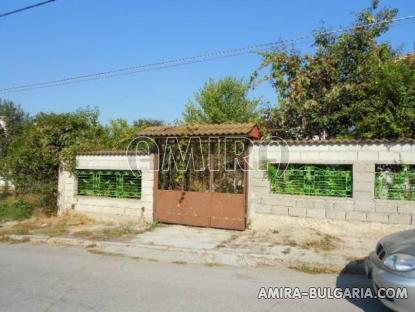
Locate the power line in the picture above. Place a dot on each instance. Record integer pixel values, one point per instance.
(185, 60)
(26, 8)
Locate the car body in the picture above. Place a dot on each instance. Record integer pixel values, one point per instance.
(379, 268)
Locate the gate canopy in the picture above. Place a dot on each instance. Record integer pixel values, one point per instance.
(202, 182)
(250, 130)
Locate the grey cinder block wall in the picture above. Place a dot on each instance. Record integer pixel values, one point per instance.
(133, 209)
(361, 207)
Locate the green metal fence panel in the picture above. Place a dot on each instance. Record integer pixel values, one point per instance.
(314, 180)
(395, 182)
(110, 183)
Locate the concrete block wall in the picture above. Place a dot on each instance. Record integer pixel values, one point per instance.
(108, 207)
(361, 207)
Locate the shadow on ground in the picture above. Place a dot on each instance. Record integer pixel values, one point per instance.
(353, 276)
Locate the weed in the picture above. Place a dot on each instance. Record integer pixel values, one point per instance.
(286, 251)
(213, 264)
(104, 253)
(18, 210)
(327, 243)
(226, 242)
(305, 268)
(153, 226)
(4, 238)
(51, 226)
(292, 243)
(83, 234)
(106, 234)
(354, 259)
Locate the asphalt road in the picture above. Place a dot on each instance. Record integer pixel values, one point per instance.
(47, 278)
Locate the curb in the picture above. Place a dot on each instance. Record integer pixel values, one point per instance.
(224, 256)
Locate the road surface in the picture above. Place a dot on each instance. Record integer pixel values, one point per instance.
(48, 278)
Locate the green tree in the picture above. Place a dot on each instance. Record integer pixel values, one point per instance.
(222, 101)
(50, 140)
(147, 122)
(351, 86)
(119, 133)
(15, 118)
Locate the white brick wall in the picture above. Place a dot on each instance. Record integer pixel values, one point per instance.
(106, 206)
(361, 207)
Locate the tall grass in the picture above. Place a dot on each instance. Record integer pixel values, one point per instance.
(15, 210)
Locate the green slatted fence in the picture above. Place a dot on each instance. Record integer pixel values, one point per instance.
(314, 180)
(395, 182)
(110, 183)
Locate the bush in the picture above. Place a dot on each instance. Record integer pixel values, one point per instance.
(19, 210)
(50, 140)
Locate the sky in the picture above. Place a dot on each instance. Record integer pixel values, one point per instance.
(72, 37)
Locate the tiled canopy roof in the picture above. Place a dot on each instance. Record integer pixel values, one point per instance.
(247, 129)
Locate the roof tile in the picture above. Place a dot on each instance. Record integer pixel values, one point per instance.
(199, 130)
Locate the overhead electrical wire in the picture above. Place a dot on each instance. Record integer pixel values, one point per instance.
(26, 8)
(187, 60)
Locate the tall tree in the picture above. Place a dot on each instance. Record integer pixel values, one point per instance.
(222, 101)
(351, 86)
(119, 133)
(15, 118)
(50, 140)
(142, 123)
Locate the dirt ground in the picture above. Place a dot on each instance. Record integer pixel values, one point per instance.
(350, 240)
(74, 225)
(310, 245)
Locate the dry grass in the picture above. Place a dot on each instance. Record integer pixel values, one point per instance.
(104, 253)
(213, 264)
(108, 234)
(225, 243)
(51, 226)
(291, 243)
(4, 238)
(310, 269)
(327, 243)
(316, 240)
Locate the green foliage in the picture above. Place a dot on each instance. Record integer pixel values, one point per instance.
(19, 210)
(316, 180)
(39, 146)
(222, 101)
(352, 86)
(142, 123)
(34, 157)
(15, 118)
(119, 133)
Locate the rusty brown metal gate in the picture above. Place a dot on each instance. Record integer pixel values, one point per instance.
(206, 209)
